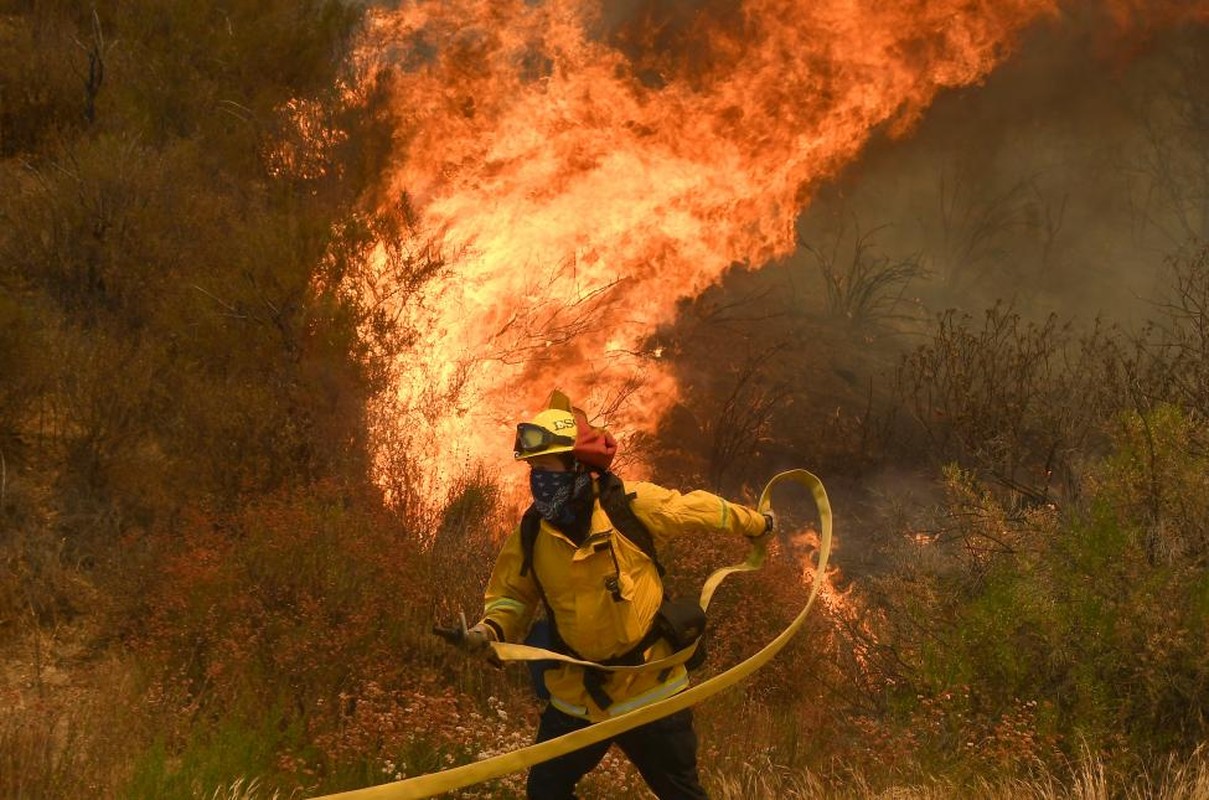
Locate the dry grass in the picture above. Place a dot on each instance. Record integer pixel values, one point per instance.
(763, 780)
(1186, 779)
(241, 789)
(74, 737)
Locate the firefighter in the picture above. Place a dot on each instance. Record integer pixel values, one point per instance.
(603, 595)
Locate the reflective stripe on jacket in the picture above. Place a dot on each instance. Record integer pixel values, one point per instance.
(578, 585)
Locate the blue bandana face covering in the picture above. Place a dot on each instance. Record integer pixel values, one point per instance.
(553, 491)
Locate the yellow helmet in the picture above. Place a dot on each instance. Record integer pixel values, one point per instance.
(550, 431)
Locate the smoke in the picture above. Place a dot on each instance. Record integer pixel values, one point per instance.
(1060, 184)
(667, 41)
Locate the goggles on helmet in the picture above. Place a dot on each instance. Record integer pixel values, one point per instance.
(534, 439)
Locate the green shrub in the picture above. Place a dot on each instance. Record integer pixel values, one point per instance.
(213, 756)
(1071, 636)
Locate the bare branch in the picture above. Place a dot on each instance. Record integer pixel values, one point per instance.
(96, 51)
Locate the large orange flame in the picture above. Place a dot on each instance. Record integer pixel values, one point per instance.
(582, 166)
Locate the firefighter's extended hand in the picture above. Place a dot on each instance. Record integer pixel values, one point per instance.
(770, 529)
(475, 640)
(478, 639)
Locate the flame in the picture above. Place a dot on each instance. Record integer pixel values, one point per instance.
(582, 167)
(847, 613)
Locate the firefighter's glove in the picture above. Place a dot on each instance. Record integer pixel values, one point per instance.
(475, 640)
(478, 639)
(770, 527)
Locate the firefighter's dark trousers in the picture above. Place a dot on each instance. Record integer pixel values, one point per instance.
(664, 751)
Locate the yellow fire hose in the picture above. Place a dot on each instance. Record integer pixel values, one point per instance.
(435, 783)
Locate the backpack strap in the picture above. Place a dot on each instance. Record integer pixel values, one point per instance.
(531, 525)
(618, 506)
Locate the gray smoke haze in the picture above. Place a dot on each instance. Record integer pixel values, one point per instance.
(1062, 184)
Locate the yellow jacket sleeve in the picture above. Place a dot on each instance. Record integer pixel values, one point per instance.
(511, 599)
(668, 513)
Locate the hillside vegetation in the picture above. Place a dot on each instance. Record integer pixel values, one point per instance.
(205, 594)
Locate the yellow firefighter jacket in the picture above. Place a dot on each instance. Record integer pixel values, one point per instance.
(588, 618)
